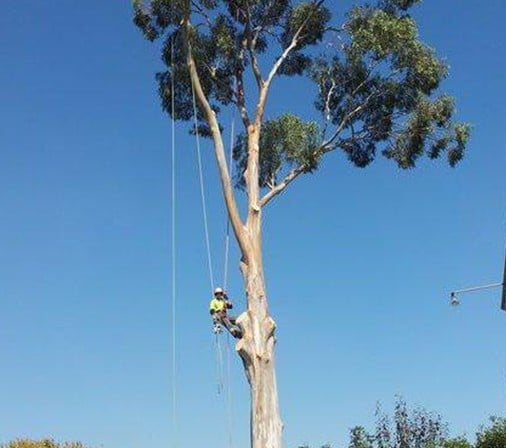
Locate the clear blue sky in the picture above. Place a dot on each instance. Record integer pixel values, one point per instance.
(359, 262)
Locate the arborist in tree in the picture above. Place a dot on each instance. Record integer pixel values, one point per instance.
(218, 308)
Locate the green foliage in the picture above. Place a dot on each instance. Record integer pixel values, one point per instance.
(312, 20)
(285, 141)
(494, 436)
(359, 438)
(222, 34)
(459, 442)
(377, 89)
(406, 429)
(45, 443)
(381, 89)
(309, 21)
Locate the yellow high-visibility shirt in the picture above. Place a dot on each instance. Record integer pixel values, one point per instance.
(218, 305)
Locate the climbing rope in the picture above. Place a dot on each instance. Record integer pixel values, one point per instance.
(227, 230)
(223, 383)
(219, 365)
(219, 352)
(173, 246)
(218, 349)
(230, 406)
(202, 189)
(229, 402)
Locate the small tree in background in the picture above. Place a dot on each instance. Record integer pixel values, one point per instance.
(407, 429)
(375, 85)
(459, 442)
(359, 438)
(494, 436)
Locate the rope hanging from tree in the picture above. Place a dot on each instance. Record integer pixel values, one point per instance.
(223, 383)
(219, 351)
(173, 251)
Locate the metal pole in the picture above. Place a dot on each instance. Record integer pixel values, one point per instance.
(476, 288)
(454, 300)
(503, 302)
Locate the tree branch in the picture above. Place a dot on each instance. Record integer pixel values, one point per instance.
(275, 68)
(241, 103)
(326, 147)
(210, 115)
(252, 169)
(346, 120)
(240, 95)
(292, 175)
(289, 178)
(203, 13)
(251, 44)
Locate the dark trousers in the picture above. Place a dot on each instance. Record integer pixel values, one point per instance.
(229, 323)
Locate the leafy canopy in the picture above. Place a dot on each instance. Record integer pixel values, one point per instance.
(375, 81)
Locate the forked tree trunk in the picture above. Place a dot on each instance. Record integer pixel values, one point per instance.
(256, 349)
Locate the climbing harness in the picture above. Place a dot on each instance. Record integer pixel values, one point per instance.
(217, 328)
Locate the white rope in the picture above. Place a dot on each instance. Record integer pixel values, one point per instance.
(173, 247)
(230, 407)
(229, 404)
(221, 380)
(219, 365)
(227, 232)
(202, 190)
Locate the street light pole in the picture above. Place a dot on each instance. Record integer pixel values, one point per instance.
(503, 302)
(454, 294)
(454, 299)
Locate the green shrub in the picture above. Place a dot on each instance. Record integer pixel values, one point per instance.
(494, 436)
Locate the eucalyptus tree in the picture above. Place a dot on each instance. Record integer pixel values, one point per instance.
(375, 85)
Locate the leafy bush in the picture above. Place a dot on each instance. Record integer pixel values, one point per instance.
(459, 442)
(416, 428)
(494, 436)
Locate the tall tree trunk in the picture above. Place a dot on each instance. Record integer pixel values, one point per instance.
(256, 348)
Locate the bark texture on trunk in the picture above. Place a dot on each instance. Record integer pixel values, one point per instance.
(256, 348)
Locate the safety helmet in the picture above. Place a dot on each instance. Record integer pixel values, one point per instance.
(218, 291)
